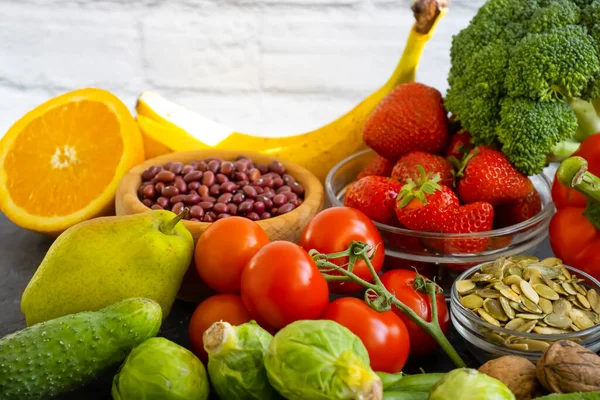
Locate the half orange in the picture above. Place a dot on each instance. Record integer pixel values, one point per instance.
(60, 164)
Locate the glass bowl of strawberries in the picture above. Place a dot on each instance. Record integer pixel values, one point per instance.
(441, 215)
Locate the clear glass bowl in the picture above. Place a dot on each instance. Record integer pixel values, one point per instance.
(429, 252)
(483, 339)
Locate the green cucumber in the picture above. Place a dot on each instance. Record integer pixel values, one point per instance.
(405, 395)
(409, 383)
(62, 354)
(572, 396)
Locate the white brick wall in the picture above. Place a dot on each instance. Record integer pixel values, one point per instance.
(263, 66)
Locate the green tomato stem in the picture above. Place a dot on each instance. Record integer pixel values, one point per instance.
(358, 250)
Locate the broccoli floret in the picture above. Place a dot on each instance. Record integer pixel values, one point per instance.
(517, 72)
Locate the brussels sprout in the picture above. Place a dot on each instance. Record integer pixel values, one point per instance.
(470, 384)
(320, 360)
(159, 369)
(235, 361)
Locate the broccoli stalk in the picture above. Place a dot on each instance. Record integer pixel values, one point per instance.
(525, 77)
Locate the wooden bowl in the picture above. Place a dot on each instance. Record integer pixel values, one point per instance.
(283, 227)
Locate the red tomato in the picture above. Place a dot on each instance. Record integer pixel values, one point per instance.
(400, 283)
(224, 249)
(332, 230)
(384, 334)
(222, 307)
(281, 284)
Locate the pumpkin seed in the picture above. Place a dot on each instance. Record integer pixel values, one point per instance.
(530, 316)
(527, 326)
(482, 277)
(508, 310)
(465, 286)
(528, 291)
(551, 262)
(487, 317)
(494, 338)
(488, 293)
(516, 288)
(561, 306)
(493, 307)
(565, 272)
(592, 316)
(554, 286)
(515, 306)
(506, 292)
(580, 320)
(545, 305)
(534, 345)
(524, 258)
(514, 324)
(515, 270)
(575, 328)
(536, 280)
(558, 321)
(529, 272)
(472, 301)
(512, 280)
(592, 297)
(549, 330)
(545, 292)
(530, 305)
(568, 288)
(518, 346)
(579, 288)
(540, 323)
(583, 301)
(542, 270)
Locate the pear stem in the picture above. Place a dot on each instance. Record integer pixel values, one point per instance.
(168, 227)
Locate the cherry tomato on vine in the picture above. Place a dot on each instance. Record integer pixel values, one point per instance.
(221, 307)
(384, 334)
(224, 249)
(400, 283)
(332, 230)
(281, 284)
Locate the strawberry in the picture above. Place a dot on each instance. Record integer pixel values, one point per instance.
(459, 145)
(518, 211)
(406, 167)
(487, 175)
(411, 117)
(423, 203)
(375, 196)
(470, 218)
(378, 166)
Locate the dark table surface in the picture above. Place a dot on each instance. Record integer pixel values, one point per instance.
(21, 251)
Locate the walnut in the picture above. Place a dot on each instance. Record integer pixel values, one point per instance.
(567, 367)
(517, 373)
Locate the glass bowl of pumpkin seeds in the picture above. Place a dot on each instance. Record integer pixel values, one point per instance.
(520, 305)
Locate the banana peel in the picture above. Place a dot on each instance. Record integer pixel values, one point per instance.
(168, 127)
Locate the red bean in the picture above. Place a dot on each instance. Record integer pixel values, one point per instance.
(180, 184)
(245, 207)
(283, 189)
(290, 195)
(241, 176)
(165, 176)
(220, 208)
(207, 218)
(156, 207)
(203, 191)
(150, 173)
(168, 165)
(278, 182)
(258, 189)
(193, 176)
(296, 202)
(221, 178)
(241, 184)
(297, 188)
(225, 198)
(208, 178)
(193, 185)
(253, 216)
(286, 208)
(276, 167)
(279, 200)
(212, 215)
(227, 168)
(262, 168)
(232, 208)
(201, 166)
(149, 191)
(177, 199)
(238, 198)
(240, 166)
(274, 211)
(176, 168)
(192, 199)
(265, 215)
(196, 212)
(229, 187)
(249, 191)
(223, 215)
(253, 174)
(209, 198)
(215, 189)
(287, 178)
(187, 169)
(265, 182)
(147, 202)
(170, 191)
(163, 202)
(206, 205)
(258, 207)
(213, 166)
(159, 187)
(177, 208)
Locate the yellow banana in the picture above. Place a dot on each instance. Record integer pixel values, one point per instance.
(169, 127)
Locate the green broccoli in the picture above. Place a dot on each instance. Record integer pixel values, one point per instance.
(525, 77)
